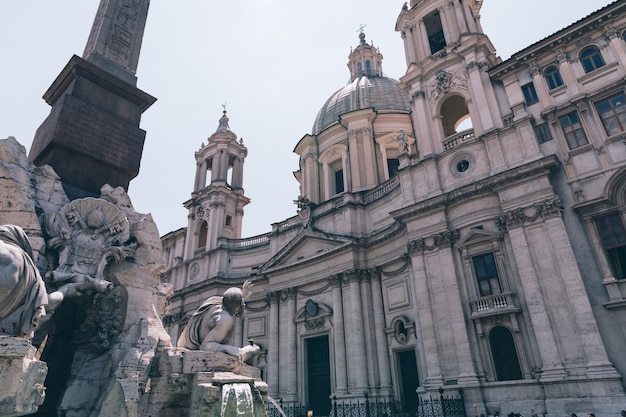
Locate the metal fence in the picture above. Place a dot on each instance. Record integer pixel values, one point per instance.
(449, 405)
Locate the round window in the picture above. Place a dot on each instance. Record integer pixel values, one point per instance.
(462, 166)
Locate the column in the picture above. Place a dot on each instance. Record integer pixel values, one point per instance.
(566, 72)
(467, 374)
(199, 182)
(357, 182)
(433, 377)
(552, 368)
(597, 359)
(449, 24)
(358, 361)
(292, 345)
(339, 337)
(273, 356)
(423, 42)
(478, 96)
(540, 86)
(618, 46)
(408, 51)
(471, 22)
(369, 153)
(238, 337)
(460, 17)
(237, 180)
(608, 279)
(312, 184)
(382, 352)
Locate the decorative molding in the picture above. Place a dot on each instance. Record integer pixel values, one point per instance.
(518, 216)
(444, 82)
(442, 239)
(481, 66)
(289, 293)
(316, 291)
(406, 259)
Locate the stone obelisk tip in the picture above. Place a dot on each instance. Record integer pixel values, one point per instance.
(115, 39)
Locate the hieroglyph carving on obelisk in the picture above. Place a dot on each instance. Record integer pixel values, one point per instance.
(117, 32)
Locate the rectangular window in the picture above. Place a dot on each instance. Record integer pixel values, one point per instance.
(613, 237)
(543, 133)
(434, 30)
(486, 274)
(573, 130)
(530, 94)
(339, 181)
(393, 164)
(612, 111)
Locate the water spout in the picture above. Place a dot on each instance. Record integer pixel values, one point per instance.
(241, 400)
(277, 406)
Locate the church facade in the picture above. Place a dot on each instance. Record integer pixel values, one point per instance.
(460, 228)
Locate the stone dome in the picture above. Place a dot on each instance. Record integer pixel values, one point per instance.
(377, 92)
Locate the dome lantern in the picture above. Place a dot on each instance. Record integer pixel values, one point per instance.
(365, 60)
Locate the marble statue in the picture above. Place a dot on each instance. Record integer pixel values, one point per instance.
(211, 327)
(88, 234)
(20, 282)
(403, 141)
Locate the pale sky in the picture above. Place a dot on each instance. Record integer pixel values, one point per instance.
(273, 62)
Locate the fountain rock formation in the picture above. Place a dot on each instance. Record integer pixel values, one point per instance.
(102, 343)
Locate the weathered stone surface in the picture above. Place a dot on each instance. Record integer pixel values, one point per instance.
(117, 33)
(199, 361)
(22, 377)
(91, 136)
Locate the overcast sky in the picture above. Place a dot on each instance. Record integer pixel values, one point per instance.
(273, 62)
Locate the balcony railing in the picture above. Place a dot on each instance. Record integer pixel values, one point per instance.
(457, 139)
(493, 304)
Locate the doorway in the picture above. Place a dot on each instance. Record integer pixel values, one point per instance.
(318, 375)
(409, 379)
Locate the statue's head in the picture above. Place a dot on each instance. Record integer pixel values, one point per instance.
(232, 300)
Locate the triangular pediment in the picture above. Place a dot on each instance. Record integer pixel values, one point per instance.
(477, 236)
(307, 246)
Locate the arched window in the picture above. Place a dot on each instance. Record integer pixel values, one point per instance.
(455, 115)
(591, 59)
(368, 68)
(553, 77)
(505, 359)
(359, 69)
(202, 235)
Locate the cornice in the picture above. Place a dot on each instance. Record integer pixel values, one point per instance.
(481, 187)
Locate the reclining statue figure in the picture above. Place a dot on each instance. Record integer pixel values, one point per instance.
(20, 281)
(211, 327)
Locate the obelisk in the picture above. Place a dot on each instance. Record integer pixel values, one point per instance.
(91, 136)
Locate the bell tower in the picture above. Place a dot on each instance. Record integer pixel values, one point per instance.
(217, 202)
(447, 56)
